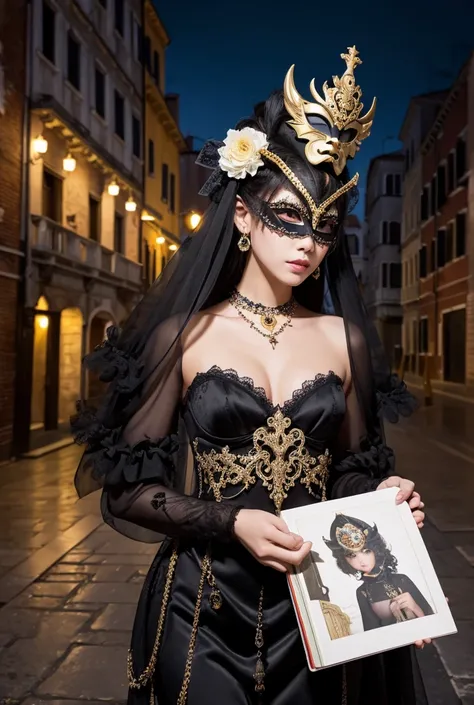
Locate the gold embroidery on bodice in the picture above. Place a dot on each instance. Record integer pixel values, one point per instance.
(278, 458)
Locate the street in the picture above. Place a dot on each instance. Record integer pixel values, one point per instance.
(69, 585)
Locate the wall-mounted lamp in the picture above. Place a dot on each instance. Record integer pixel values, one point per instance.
(114, 188)
(173, 248)
(147, 217)
(131, 205)
(160, 240)
(69, 163)
(39, 146)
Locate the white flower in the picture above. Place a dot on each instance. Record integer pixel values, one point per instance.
(240, 154)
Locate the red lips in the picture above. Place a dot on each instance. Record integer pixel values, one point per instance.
(300, 262)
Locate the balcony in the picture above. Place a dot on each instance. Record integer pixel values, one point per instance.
(58, 246)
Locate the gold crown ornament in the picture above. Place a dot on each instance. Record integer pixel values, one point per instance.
(332, 126)
(351, 537)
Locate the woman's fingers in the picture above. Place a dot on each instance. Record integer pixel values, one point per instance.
(415, 501)
(282, 555)
(287, 540)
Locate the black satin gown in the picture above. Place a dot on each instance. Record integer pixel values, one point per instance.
(222, 409)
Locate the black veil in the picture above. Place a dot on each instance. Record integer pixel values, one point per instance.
(134, 436)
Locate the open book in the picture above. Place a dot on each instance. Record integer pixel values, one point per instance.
(368, 584)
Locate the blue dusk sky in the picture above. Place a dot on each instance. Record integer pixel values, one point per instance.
(224, 57)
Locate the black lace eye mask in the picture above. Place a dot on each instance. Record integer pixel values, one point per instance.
(292, 219)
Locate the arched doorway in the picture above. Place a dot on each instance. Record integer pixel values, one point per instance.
(40, 359)
(70, 355)
(97, 333)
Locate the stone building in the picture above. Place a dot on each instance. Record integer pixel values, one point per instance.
(13, 60)
(383, 212)
(85, 186)
(163, 145)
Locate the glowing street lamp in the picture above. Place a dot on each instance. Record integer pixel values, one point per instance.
(69, 163)
(114, 188)
(131, 205)
(40, 145)
(160, 240)
(194, 220)
(173, 248)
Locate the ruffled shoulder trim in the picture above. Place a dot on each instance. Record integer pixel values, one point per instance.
(111, 462)
(112, 363)
(394, 400)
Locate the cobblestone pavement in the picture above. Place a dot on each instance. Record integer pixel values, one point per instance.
(69, 585)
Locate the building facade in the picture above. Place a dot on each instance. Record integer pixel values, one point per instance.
(470, 228)
(82, 239)
(163, 145)
(383, 212)
(444, 261)
(354, 233)
(193, 178)
(13, 63)
(420, 116)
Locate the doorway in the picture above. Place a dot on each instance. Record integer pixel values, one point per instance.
(45, 382)
(454, 346)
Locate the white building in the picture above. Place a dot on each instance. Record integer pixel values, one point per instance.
(355, 240)
(85, 184)
(383, 213)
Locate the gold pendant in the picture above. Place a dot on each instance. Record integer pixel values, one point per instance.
(215, 599)
(268, 321)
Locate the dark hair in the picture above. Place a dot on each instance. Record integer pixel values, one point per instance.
(383, 556)
(271, 118)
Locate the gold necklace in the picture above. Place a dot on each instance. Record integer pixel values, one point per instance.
(268, 315)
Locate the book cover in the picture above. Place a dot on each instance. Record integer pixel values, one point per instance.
(368, 584)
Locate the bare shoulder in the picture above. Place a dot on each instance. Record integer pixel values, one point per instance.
(206, 321)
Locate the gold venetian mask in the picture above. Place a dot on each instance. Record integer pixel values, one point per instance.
(332, 126)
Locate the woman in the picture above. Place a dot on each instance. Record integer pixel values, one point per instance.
(229, 355)
(385, 596)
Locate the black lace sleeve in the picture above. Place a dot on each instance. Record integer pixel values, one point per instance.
(141, 463)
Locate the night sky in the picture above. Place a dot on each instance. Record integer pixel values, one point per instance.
(226, 56)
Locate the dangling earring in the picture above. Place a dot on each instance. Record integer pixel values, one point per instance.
(316, 274)
(358, 575)
(244, 242)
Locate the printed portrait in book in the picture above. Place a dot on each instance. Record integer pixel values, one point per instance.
(361, 586)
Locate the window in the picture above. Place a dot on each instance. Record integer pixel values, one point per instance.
(151, 158)
(99, 92)
(119, 244)
(441, 185)
(460, 158)
(391, 275)
(147, 53)
(156, 68)
(423, 336)
(433, 196)
(394, 232)
(389, 186)
(136, 40)
(425, 204)
(433, 255)
(136, 136)
(353, 244)
(451, 172)
(449, 242)
(52, 196)
(441, 247)
(119, 16)
(119, 115)
(73, 61)
(460, 234)
(94, 219)
(164, 183)
(398, 185)
(423, 270)
(49, 32)
(172, 192)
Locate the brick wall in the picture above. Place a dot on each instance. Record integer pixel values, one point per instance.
(12, 64)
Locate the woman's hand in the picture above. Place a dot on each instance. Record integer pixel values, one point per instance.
(269, 540)
(406, 602)
(407, 494)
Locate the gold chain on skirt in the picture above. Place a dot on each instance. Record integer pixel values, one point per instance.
(149, 671)
(147, 674)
